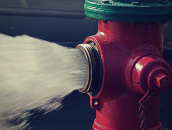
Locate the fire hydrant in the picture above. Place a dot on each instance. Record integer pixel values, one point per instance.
(126, 70)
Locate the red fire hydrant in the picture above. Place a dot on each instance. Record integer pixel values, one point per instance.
(127, 73)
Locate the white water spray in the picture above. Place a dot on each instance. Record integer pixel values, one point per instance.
(35, 74)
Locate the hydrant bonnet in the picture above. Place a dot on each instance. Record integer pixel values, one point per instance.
(129, 10)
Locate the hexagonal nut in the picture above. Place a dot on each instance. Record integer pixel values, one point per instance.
(161, 80)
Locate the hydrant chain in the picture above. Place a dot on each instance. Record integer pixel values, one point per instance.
(144, 99)
(142, 117)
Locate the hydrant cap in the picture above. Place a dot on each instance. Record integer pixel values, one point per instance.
(129, 10)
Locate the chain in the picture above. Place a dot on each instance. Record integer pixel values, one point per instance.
(143, 100)
(142, 116)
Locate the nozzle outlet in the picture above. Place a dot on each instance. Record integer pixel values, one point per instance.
(94, 63)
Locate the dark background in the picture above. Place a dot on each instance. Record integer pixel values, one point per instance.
(67, 28)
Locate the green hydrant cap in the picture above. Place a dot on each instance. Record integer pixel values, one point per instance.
(129, 10)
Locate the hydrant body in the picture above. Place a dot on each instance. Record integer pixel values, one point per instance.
(121, 46)
(134, 73)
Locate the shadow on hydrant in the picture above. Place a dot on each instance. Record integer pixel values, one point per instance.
(127, 73)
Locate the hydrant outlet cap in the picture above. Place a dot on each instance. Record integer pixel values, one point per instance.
(129, 10)
(151, 72)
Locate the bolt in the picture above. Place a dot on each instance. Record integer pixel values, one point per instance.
(135, 3)
(105, 2)
(96, 103)
(161, 80)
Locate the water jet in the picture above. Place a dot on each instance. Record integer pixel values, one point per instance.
(35, 76)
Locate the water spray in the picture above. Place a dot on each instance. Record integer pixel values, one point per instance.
(127, 73)
(35, 76)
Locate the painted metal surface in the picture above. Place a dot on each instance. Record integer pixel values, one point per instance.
(132, 60)
(129, 10)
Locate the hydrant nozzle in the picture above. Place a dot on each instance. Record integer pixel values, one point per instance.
(94, 78)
